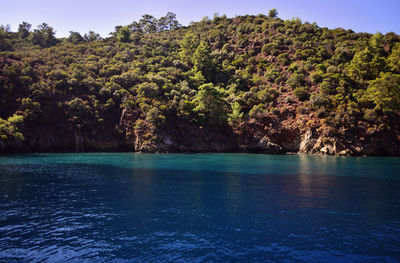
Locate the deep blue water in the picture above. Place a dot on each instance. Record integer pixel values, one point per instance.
(198, 208)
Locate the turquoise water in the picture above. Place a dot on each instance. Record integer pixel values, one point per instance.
(198, 208)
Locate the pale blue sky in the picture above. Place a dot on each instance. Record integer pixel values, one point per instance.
(101, 16)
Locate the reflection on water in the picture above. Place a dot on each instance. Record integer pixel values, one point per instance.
(119, 207)
(12, 187)
(233, 191)
(313, 188)
(142, 187)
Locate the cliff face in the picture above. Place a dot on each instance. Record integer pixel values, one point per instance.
(290, 141)
(267, 135)
(189, 138)
(44, 139)
(370, 145)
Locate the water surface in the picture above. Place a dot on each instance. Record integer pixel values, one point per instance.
(199, 208)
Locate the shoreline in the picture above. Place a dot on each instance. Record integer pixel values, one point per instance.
(2, 154)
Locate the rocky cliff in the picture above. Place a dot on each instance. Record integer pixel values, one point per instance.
(266, 135)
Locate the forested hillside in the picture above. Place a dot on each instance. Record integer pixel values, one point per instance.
(243, 84)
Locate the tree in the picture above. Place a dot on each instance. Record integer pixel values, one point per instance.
(366, 65)
(394, 58)
(24, 30)
(148, 90)
(135, 27)
(6, 28)
(32, 109)
(211, 105)
(154, 116)
(81, 113)
(44, 36)
(92, 36)
(117, 28)
(273, 13)
(295, 80)
(168, 22)
(236, 114)
(5, 43)
(189, 44)
(202, 60)
(384, 92)
(301, 93)
(376, 43)
(148, 23)
(9, 129)
(172, 22)
(75, 37)
(124, 34)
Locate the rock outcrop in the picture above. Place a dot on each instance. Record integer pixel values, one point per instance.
(265, 135)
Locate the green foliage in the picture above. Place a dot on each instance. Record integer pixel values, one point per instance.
(301, 93)
(189, 45)
(394, 58)
(376, 43)
(124, 34)
(15, 119)
(270, 49)
(295, 80)
(5, 43)
(257, 110)
(24, 30)
(210, 105)
(370, 115)
(81, 113)
(384, 92)
(320, 100)
(366, 65)
(266, 94)
(148, 23)
(273, 13)
(154, 116)
(92, 36)
(236, 114)
(202, 60)
(284, 59)
(148, 90)
(9, 131)
(75, 37)
(32, 109)
(168, 22)
(43, 36)
(316, 77)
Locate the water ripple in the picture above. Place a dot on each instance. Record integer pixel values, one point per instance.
(88, 210)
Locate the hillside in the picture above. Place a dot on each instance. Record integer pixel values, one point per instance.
(242, 84)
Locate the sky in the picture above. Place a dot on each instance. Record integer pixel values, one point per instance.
(102, 16)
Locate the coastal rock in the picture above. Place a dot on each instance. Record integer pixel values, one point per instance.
(265, 135)
(325, 145)
(346, 152)
(266, 145)
(307, 142)
(168, 140)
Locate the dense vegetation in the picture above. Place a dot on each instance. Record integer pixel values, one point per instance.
(242, 77)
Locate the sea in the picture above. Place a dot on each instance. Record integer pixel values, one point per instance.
(132, 207)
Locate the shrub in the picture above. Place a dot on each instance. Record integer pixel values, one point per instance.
(301, 93)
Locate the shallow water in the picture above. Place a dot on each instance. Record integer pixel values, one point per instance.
(199, 208)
